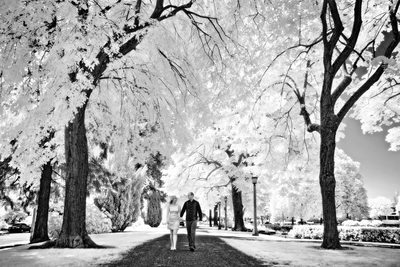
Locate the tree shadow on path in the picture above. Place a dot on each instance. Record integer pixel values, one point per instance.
(211, 251)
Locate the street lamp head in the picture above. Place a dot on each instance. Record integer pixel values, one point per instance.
(254, 179)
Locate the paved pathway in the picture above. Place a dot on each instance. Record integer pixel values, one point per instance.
(9, 240)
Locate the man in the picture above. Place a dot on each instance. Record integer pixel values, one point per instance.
(192, 209)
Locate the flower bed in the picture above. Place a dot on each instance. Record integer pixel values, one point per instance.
(348, 233)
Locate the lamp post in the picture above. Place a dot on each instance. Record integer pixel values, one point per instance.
(219, 215)
(254, 180)
(226, 216)
(301, 214)
(215, 221)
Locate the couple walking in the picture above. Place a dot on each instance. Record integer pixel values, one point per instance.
(174, 216)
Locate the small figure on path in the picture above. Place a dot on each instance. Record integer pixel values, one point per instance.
(193, 212)
(173, 220)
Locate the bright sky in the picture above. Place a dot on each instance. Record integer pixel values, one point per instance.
(379, 167)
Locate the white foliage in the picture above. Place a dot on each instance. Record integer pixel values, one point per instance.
(380, 206)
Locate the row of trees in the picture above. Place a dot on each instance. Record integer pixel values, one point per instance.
(288, 185)
(333, 57)
(56, 56)
(138, 78)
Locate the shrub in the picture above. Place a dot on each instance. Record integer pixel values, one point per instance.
(154, 213)
(381, 234)
(54, 225)
(364, 223)
(96, 222)
(275, 226)
(14, 216)
(286, 228)
(122, 206)
(350, 223)
(371, 223)
(348, 233)
(306, 232)
(3, 225)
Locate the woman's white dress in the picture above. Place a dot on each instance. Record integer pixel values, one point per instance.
(173, 218)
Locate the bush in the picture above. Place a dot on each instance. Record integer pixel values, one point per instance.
(371, 223)
(364, 223)
(381, 234)
(279, 227)
(306, 232)
(286, 228)
(350, 223)
(122, 206)
(154, 213)
(54, 225)
(12, 216)
(348, 233)
(3, 225)
(275, 226)
(96, 222)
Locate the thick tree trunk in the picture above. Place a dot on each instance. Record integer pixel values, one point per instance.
(237, 209)
(40, 231)
(328, 183)
(73, 231)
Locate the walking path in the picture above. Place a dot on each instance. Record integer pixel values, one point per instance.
(150, 247)
(10, 240)
(210, 251)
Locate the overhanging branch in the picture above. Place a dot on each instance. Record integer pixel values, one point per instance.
(380, 70)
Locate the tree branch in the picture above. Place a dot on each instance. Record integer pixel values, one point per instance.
(351, 42)
(311, 127)
(380, 70)
(338, 24)
(159, 8)
(341, 87)
(175, 10)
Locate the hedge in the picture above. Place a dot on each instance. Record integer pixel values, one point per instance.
(347, 233)
(363, 223)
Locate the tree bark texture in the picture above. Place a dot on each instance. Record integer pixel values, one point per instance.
(40, 231)
(328, 183)
(73, 231)
(237, 210)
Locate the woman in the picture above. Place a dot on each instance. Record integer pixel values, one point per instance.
(173, 220)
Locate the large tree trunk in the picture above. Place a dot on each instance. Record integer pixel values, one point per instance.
(237, 209)
(40, 232)
(328, 183)
(73, 231)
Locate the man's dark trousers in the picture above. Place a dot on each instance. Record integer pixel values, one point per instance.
(191, 233)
